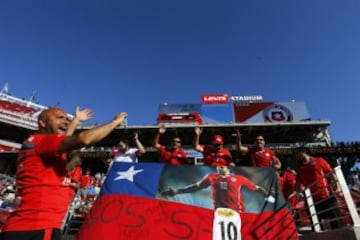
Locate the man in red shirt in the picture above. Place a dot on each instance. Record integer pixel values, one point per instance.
(259, 155)
(315, 173)
(287, 182)
(41, 170)
(74, 174)
(85, 182)
(214, 154)
(225, 188)
(175, 154)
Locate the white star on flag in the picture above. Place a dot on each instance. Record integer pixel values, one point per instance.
(129, 174)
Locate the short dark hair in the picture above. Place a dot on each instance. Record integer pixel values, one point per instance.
(124, 140)
(301, 149)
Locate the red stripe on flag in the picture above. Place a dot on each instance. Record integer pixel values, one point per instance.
(130, 217)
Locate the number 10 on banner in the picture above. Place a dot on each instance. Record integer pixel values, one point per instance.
(227, 224)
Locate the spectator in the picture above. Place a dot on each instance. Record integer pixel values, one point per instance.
(287, 184)
(315, 173)
(214, 154)
(259, 155)
(175, 154)
(74, 166)
(74, 174)
(354, 182)
(41, 169)
(124, 153)
(86, 181)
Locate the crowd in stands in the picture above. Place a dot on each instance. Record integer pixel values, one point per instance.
(85, 187)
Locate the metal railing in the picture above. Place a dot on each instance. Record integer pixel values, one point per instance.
(309, 218)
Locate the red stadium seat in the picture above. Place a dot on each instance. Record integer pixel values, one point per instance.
(15, 107)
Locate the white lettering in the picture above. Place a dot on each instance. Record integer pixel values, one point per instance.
(215, 98)
(246, 98)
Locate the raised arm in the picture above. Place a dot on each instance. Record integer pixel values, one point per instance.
(91, 136)
(80, 116)
(141, 150)
(196, 144)
(162, 130)
(242, 149)
(187, 189)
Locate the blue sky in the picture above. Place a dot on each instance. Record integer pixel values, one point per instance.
(115, 56)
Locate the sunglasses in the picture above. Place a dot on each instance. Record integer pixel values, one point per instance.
(176, 141)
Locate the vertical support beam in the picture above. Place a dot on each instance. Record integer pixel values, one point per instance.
(312, 210)
(348, 200)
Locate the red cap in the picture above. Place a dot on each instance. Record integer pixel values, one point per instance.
(218, 139)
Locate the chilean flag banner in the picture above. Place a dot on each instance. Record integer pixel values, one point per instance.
(158, 201)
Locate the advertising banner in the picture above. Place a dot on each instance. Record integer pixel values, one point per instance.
(270, 112)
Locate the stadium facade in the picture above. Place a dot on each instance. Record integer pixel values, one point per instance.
(285, 125)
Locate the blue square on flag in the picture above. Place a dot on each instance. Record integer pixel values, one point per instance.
(129, 178)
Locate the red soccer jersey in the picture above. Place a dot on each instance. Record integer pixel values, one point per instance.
(75, 174)
(288, 187)
(74, 177)
(263, 158)
(216, 158)
(226, 190)
(314, 171)
(40, 174)
(86, 181)
(175, 157)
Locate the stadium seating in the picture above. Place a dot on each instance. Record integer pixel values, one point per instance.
(15, 107)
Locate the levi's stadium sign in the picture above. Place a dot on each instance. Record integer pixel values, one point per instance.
(215, 98)
(246, 98)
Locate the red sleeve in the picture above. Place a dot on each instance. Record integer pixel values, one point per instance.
(92, 180)
(248, 183)
(229, 159)
(77, 175)
(272, 153)
(205, 182)
(48, 144)
(165, 155)
(183, 153)
(324, 165)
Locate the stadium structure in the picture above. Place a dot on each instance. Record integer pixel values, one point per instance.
(285, 126)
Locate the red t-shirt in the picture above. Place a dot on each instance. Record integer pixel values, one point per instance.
(86, 181)
(174, 157)
(288, 187)
(314, 171)
(214, 158)
(74, 177)
(226, 190)
(40, 177)
(75, 174)
(263, 158)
